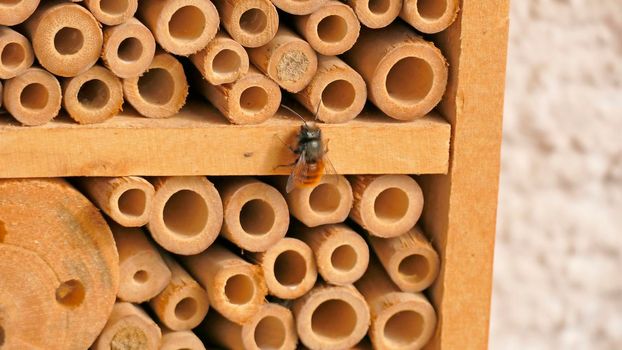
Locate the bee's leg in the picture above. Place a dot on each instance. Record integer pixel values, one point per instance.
(285, 165)
(285, 143)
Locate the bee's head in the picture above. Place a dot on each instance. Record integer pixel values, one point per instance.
(310, 130)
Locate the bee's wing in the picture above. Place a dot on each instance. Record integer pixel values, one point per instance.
(329, 171)
(299, 172)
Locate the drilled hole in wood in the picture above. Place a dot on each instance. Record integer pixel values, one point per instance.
(186, 309)
(141, 276)
(290, 268)
(133, 202)
(253, 21)
(187, 23)
(68, 41)
(239, 289)
(414, 267)
(391, 205)
(70, 293)
(185, 213)
(334, 319)
(270, 333)
(94, 94)
(34, 96)
(13, 55)
(404, 328)
(257, 217)
(130, 49)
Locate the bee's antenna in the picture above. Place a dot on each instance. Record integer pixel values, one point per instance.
(295, 113)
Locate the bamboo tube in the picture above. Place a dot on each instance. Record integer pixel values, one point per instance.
(330, 30)
(143, 273)
(236, 289)
(180, 340)
(272, 327)
(181, 27)
(93, 96)
(127, 200)
(60, 267)
(0, 93)
(222, 61)
(13, 12)
(299, 7)
(406, 76)
(252, 99)
(287, 59)
(66, 38)
(386, 205)
(288, 268)
(341, 254)
(252, 23)
(376, 13)
(410, 260)
(430, 16)
(183, 304)
(398, 320)
(129, 327)
(15, 53)
(128, 48)
(187, 214)
(331, 317)
(112, 12)
(339, 88)
(161, 91)
(255, 213)
(33, 98)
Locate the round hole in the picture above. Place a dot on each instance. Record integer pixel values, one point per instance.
(141, 276)
(226, 62)
(344, 258)
(156, 86)
(34, 96)
(68, 41)
(391, 205)
(270, 333)
(290, 268)
(185, 213)
(186, 309)
(431, 9)
(324, 198)
(404, 328)
(94, 94)
(133, 202)
(253, 21)
(332, 29)
(410, 80)
(130, 49)
(113, 7)
(414, 267)
(10, 2)
(379, 6)
(70, 293)
(239, 289)
(334, 319)
(187, 23)
(257, 217)
(13, 55)
(338, 95)
(254, 99)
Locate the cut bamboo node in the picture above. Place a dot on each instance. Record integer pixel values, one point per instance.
(93, 96)
(287, 59)
(180, 340)
(181, 27)
(376, 13)
(299, 7)
(128, 48)
(112, 12)
(430, 16)
(127, 200)
(161, 91)
(288, 268)
(410, 260)
(252, 23)
(339, 88)
(386, 205)
(331, 30)
(187, 214)
(236, 289)
(14, 12)
(331, 317)
(143, 273)
(33, 98)
(222, 61)
(15, 53)
(406, 76)
(183, 304)
(66, 38)
(129, 327)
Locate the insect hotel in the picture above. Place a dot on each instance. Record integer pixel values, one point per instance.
(248, 174)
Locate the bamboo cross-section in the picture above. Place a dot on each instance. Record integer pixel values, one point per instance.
(15, 53)
(222, 61)
(112, 12)
(34, 97)
(376, 13)
(252, 23)
(430, 16)
(176, 340)
(128, 48)
(129, 327)
(16, 12)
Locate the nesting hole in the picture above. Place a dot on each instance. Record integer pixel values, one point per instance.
(338, 95)
(187, 23)
(332, 29)
(185, 213)
(13, 55)
(404, 328)
(156, 86)
(141, 276)
(70, 293)
(254, 99)
(186, 309)
(410, 80)
(290, 268)
(270, 333)
(253, 21)
(130, 49)
(94, 94)
(391, 204)
(379, 6)
(68, 41)
(226, 62)
(431, 9)
(334, 319)
(257, 217)
(113, 7)
(129, 337)
(344, 258)
(239, 289)
(325, 198)
(34, 96)
(133, 202)
(414, 268)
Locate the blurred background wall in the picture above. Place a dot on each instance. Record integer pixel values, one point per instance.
(558, 259)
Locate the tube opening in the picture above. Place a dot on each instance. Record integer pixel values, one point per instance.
(391, 204)
(410, 80)
(254, 99)
(130, 49)
(94, 94)
(187, 23)
(141, 276)
(253, 21)
(156, 86)
(70, 293)
(270, 333)
(379, 7)
(226, 62)
(133, 202)
(414, 268)
(344, 258)
(431, 9)
(185, 213)
(13, 55)
(68, 41)
(290, 268)
(10, 3)
(404, 328)
(334, 319)
(34, 96)
(332, 29)
(257, 217)
(338, 95)
(239, 289)
(113, 7)
(325, 198)
(186, 308)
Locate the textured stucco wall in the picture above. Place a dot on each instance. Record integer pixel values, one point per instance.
(558, 262)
